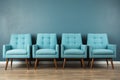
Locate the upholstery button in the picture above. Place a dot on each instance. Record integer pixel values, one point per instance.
(48, 42)
(74, 42)
(100, 37)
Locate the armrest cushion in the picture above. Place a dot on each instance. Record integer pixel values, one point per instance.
(84, 48)
(90, 50)
(6, 48)
(57, 48)
(62, 50)
(34, 48)
(28, 50)
(112, 47)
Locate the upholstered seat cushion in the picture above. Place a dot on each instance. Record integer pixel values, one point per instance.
(72, 46)
(46, 52)
(102, 51)
(73, 52)
(16, 51)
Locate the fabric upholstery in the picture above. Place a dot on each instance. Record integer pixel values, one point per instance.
(99, 46)
(46, 41)
(46, 46)
(46, 51)
(102, 51)
(74, 52)
(16, 52)
(72, 46)
(19, 46)
(20, 41)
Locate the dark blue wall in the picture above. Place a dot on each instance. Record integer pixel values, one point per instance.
(59, 16)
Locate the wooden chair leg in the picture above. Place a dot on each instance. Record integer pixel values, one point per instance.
(64, 62)
(7, 60)
(30, 62)
(83, 64)
(27, 63)
(35, 66)
(92, 62)
(107, 62)
(89, 62)
(112, 63)
(11, 63)
(37, 62)
(55, 62)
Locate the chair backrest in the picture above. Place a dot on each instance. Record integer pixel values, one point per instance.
(97, 41)
(46, 40)
(20, 41)
(71, 40)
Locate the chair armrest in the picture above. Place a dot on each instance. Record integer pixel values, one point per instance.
(28, 50)
(84, 48)
(90, 50)
(57, 49)
(6, 48)
(34, 49)
(112, 47)
(62, 50)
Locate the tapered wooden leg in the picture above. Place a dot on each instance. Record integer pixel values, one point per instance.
(92, 62)
(112, 63)
(37, 62)
(88, 62)
(64, 62)
(7, 60)
(107, 62)
(55, 62)
(27, 63)
(30, 62)
(35, 66)
(83, 64)
(11, 63)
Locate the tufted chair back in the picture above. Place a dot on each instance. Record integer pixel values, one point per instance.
(97, 41)
(71, 40)
(20, 41)
(46, 41)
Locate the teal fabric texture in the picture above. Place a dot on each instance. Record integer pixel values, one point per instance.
(99, 46)
(19, 46)
(72, 47)
(46, 46)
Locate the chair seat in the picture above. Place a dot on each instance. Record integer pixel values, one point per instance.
(73, 52)
(46, 52)
(102, 52)
(16, 52)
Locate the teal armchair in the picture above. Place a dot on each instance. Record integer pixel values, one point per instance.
(72, 47)
(19, 47)
(99, 47)
(46, 47)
